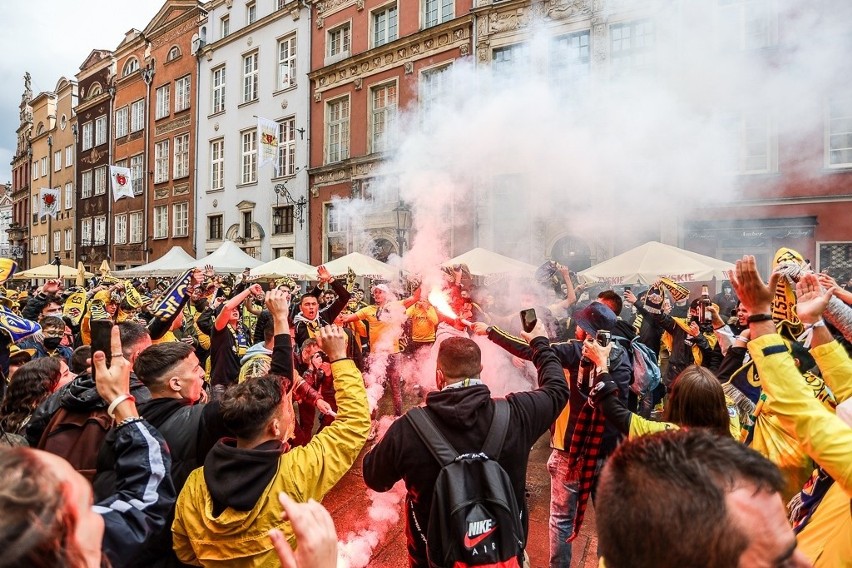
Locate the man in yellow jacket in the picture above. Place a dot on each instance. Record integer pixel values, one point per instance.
(225, 512)
(824, 522)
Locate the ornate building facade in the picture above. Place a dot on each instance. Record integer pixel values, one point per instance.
(18, 230)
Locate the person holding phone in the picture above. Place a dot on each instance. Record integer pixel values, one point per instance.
(563, 495)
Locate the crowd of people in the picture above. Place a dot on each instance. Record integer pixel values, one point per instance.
(200, 420)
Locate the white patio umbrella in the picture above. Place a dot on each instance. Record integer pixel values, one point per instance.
(361, 264)
(483, 262)
(285, 266)
(649, 262)
(228, 258)
(167, 265)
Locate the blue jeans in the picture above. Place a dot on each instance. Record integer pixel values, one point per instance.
(563, 509)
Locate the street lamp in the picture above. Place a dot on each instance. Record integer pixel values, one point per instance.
(298, 204)
(403, 224)
(58, 264)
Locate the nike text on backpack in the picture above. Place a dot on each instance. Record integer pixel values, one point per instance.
(475, 519)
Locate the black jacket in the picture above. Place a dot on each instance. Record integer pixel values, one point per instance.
(326, 315)
(80, 395)
(464, 416)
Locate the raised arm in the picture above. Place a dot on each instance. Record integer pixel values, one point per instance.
(234, 303)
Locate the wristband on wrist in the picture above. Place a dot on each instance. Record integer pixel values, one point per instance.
(741, 338)
(819, 323)
(129, 420)
(118, 400)
(753, 318)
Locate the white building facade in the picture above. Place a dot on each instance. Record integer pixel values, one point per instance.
(253, 62)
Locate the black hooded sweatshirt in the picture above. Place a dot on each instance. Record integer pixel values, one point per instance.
(464, 416)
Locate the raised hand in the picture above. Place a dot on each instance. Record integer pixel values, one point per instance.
(811, 299)
(315, 535)
(755, 296)
(332, 340)
(323, 274)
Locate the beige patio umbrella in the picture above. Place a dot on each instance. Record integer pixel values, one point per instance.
(49, 271)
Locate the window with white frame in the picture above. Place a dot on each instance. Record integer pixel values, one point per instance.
(181, 163)
(57, 241)
(224, 26)
(136, 173)
(57, 160)
(44, 166)
(182, 93)
(507, 58)
(337, 130)
(87, 136)
(287, 62)
(35, 170)
(129, 67)
(121, 122)
(120, 229)
(385, 24)
(174, 53)
(100, 180)
(180, 219)
(69, 156)
(86, 183)
(44, 244)
(434, 84)
(282, 220)
(632, 45)
(744, 24)
(163, 100)
(217, 164)
(335, 233)
(286, 252)
(571, 58)
(248, 222)
(69, 196)
(250, 77)
(215, 226)
(161, 222)
(383, 117)
(69, 239)
(750, 135)
(136, 228)
(339, 41)
(100, 130)
(161, 161)
(34, 245)
(839, 132)
(251, 13)
(248, 154)
(100, 230)
(437, 12)
(137, 116)
(287, 147)
(217, 86)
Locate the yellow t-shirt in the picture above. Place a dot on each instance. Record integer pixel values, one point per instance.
(385, 325)
(424, 322)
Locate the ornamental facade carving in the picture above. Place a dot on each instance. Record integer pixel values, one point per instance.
(365, 65)
(330, 6)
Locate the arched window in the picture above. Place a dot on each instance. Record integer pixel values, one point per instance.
(174, 53)
(129, 67)
(40, 128)
(95, 90)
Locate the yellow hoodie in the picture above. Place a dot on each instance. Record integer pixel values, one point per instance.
(239, 539)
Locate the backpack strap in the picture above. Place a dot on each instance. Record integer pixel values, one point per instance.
(437, 443)
(497, 432)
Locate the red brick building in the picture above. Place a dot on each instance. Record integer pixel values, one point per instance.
(171, 120)
(370, 59)
(20, 189)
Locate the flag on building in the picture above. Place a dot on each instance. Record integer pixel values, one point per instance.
(122, 184)
(49, 199)
(267, 143)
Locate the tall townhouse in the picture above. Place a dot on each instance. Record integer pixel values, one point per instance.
(369, 60)
(5, 219)
(63, 163)
(94, 198)
(134, 72)
(19, 228)
(41, 140)
(254, 63)
(171, 125)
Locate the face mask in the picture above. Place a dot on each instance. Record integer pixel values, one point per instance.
(51, 343)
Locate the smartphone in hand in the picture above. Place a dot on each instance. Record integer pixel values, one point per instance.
(528, 319)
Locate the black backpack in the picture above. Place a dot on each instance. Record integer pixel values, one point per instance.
(475, 519)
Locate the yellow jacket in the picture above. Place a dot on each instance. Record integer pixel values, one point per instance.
(238, 539)
(827, 538)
